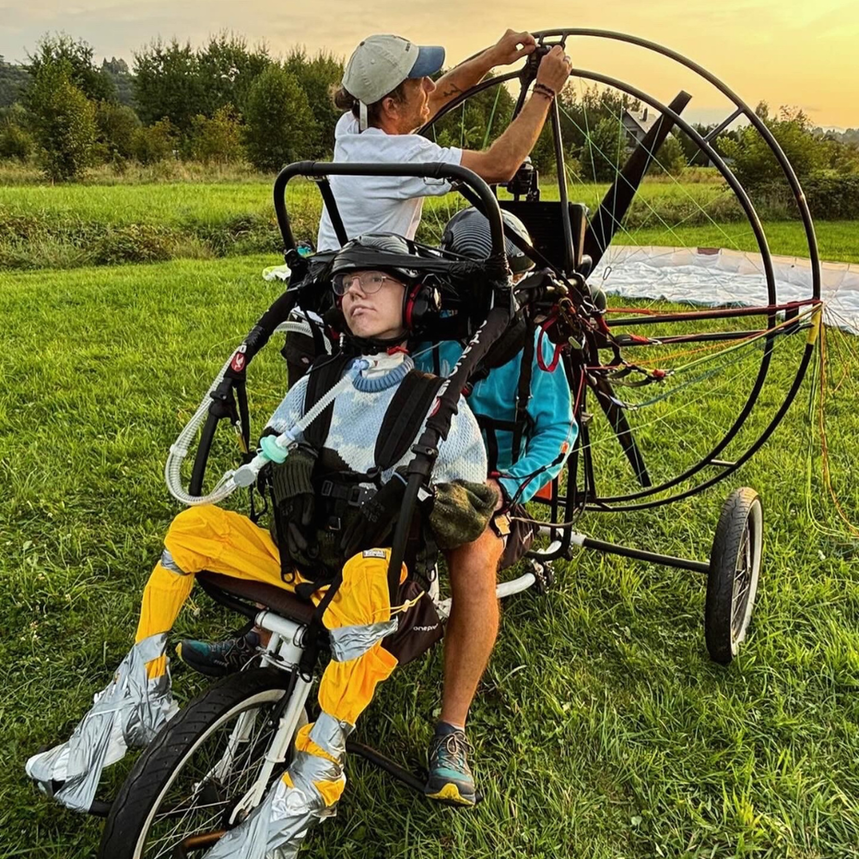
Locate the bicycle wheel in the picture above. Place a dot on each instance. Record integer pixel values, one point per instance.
(190, 778)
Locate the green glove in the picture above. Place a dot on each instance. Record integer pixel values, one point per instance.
(295, 504)
(461, 512)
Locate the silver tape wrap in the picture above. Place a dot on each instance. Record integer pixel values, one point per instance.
(127, 713)
(277, 828)
(350, 642)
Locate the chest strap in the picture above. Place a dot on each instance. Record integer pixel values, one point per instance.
(404, 417)
(324, 374)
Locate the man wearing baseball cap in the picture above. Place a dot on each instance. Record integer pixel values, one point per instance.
(388, 94)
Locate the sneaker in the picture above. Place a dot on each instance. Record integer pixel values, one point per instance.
(450, 779)
(220, 658)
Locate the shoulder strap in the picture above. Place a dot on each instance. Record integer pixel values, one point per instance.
(323, 374)
(405, 416)
(523, 395)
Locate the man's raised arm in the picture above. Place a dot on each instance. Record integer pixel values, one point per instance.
(502, 159)
(512, 46)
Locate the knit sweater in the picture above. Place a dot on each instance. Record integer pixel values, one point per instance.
(357, 419)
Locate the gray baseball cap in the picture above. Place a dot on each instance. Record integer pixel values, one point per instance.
(381, 63)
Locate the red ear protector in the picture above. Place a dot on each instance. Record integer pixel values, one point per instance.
(419, 303)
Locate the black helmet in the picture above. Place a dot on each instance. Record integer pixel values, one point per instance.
(370, 252)
(467, 233)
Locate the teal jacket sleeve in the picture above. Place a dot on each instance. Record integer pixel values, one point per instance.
(552, 435)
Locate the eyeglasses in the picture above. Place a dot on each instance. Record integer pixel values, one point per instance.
(368, 281)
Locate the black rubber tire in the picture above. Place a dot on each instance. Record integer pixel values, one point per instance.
(734, 559)
(156, 767)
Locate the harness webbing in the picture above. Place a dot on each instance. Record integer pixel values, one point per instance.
(323, 375)
(522, 422)
(404, 418)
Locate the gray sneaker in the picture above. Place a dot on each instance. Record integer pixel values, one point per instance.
(221, 657)
(450, 779)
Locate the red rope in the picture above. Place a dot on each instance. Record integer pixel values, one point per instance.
(550, 368)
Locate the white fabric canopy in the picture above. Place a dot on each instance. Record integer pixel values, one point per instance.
(712, 276)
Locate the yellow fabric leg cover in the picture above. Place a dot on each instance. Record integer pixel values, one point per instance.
(347, 688)
(362, 599)
(164, 595)
(203, 538)
(209, 538)
(358, 617)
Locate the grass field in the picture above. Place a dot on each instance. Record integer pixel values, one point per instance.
(601, 730)
(78, 225)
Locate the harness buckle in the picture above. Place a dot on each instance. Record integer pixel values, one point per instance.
(327, 488)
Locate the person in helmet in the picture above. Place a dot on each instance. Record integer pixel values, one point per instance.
(526, 418)
(307, 543)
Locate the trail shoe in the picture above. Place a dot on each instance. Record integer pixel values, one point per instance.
(220, 658)
(450, 779)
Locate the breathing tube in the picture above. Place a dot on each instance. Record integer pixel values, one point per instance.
(274, 448)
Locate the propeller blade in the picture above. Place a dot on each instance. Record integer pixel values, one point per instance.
(620, 195)
(620, 425)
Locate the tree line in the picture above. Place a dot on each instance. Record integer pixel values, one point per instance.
(226, 101)
(222, 102)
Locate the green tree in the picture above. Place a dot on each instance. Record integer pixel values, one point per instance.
(13, 81)
(118, 72)
(227, 68)
(317, 76)
(604, 151)
(15, 142)
(77, 56)
(63, 122)
(753, 161)
(167, 83)
(671, 158)
(117, 126)
(217, 140)
(279, 124)
(155, 142)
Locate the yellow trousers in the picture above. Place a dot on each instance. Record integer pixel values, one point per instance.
(221, 541)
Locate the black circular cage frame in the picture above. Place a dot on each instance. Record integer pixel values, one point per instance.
(582, 239)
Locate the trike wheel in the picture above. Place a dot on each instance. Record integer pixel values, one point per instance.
(732, 583)
(188, 780)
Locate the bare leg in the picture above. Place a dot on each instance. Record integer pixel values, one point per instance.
(473, 624)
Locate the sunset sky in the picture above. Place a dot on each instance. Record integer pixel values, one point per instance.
(783, 51)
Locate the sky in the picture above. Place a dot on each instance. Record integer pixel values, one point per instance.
(785, 52)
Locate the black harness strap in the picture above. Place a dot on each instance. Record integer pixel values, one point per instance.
(490, 427)
(323, 375)
(333, 211)
(405, 417)
(523, 396)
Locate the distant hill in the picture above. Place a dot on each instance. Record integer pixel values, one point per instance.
(850, 136)
(13, 80)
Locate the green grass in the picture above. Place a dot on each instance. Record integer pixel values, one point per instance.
(601, 727)
(78, 225)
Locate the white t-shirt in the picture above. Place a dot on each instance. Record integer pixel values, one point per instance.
(381, 204)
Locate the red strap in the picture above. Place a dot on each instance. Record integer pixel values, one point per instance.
(550, 368)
